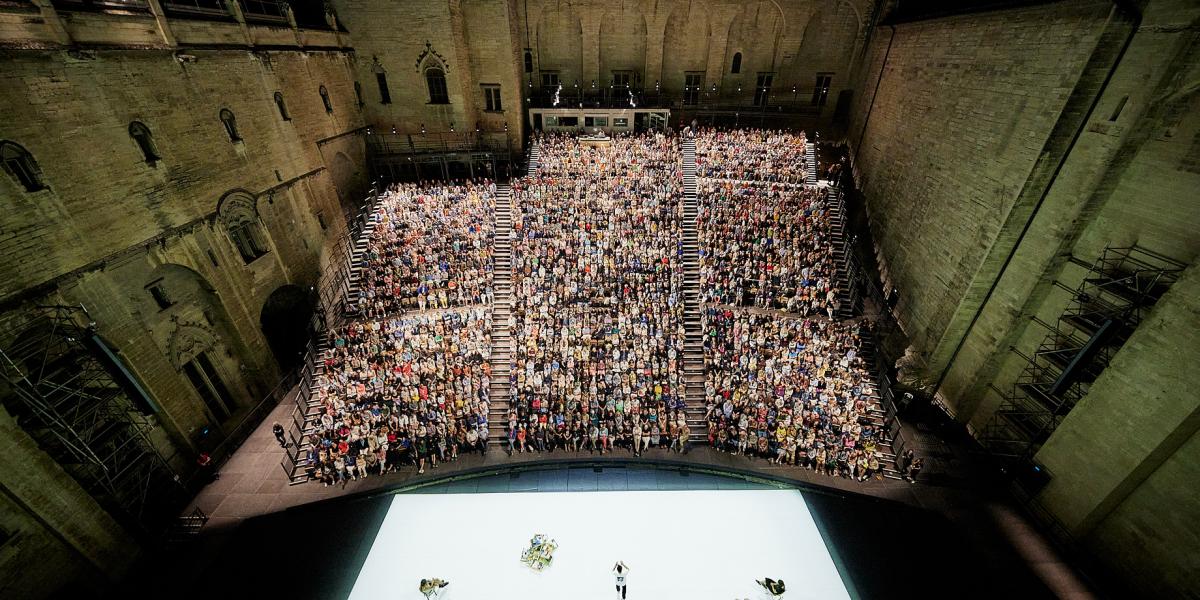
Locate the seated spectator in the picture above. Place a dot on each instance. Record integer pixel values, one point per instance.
(752, 155)
(794, 391)
(408, 390)
(597, 325)
(766, 246)
(431, 248)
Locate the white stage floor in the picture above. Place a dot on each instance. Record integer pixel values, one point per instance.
(678, 544)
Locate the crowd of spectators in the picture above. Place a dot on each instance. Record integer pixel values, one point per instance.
(766, 246)
(791, 390)
(752, 155)
(597, 314)
(409, 389)
(431, 248)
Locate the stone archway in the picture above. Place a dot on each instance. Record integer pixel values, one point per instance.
(286, 324)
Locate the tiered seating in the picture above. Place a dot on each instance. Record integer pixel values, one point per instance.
(402, 389)
(637, 305)
(597, 278)
(767, 246)
(431, 247)
(795, 391)
(754, 155)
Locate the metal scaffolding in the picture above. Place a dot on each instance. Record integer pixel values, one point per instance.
(1118, 291)
(75, 407)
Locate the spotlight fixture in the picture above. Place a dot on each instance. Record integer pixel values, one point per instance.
(422, 129)
(451, 127)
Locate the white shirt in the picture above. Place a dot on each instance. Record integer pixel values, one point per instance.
(621, 576)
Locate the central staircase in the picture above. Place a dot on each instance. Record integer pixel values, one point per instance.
(810, 153)
(500, 389)
(693, 341)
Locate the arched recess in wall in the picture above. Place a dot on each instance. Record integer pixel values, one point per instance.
(685, 44)
(755, 33)
(347, 179)
(623, 44)
(286, 323)
(191, 322)
(237, 213)
(828, 42)
(560, 44)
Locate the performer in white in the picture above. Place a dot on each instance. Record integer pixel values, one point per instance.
(621, 572)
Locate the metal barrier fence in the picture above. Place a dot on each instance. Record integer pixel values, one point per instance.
(333, 296)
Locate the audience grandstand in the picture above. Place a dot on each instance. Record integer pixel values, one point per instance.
(562, 312)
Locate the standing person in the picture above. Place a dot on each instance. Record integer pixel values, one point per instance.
(904, 460)
(277, 429)
(621, 573)
(915, 469)
(422, 452)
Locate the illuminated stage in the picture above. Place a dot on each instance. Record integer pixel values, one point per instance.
(678, 544)
(685, 532)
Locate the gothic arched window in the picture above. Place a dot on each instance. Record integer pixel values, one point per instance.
(737, 63)
(19, 165)
(141, 135)
(230, 123)
(436, 80)
(239, 216)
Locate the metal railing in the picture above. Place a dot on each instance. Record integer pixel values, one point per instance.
(206, 8)
(381, 143)
(790, 100)
(102, 5)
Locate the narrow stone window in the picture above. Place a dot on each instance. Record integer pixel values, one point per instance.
(141, 135)
(325, 99)
(279, 103)
(435, 79)
(19, 165)
(230, 123)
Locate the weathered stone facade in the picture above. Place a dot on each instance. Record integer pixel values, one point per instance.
(112, 219)
(999, 146)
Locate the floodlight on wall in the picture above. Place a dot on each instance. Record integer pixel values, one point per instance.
(451, 127)
(506, 126)
(422, 129)
(656, 85)
(368, 131)
(394, 130)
